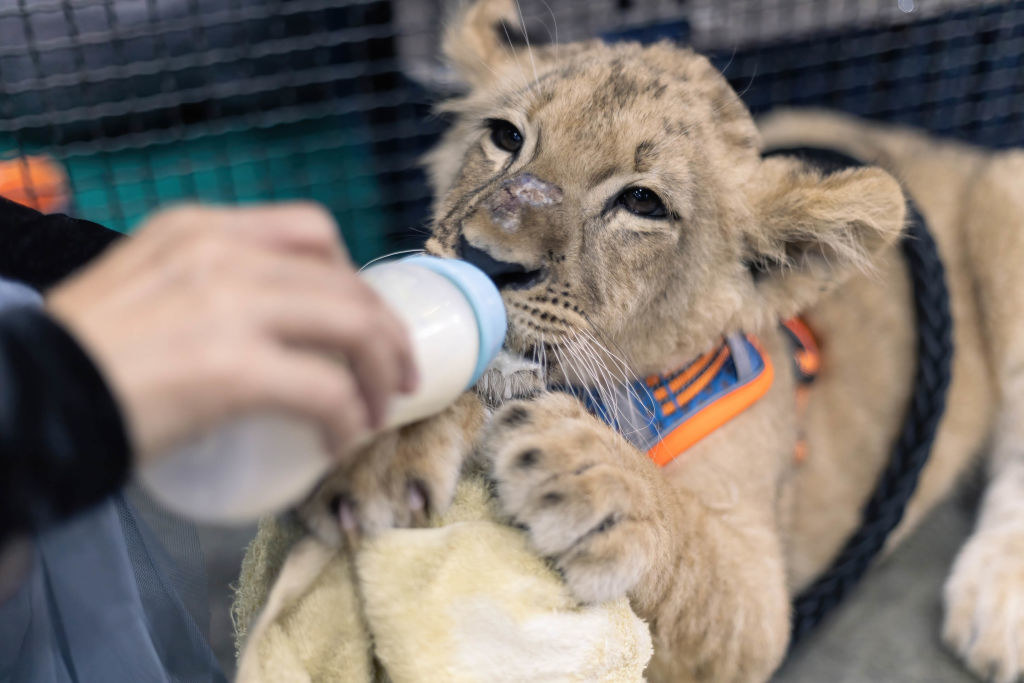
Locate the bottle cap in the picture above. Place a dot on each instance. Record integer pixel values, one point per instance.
(484, 299)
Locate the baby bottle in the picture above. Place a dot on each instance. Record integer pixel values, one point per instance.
(262, 463)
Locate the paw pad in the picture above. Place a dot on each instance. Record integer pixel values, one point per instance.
(515, 416)
(528, 458)
(552, 498)
(606, 524)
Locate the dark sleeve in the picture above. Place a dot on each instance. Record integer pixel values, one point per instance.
(63, 444)
(41, 250)
(62, 440)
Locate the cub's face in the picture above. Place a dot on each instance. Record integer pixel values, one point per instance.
(615, 194)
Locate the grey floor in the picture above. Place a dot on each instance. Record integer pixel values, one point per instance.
(887, 632)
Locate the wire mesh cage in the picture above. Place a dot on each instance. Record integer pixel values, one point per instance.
(109, 108)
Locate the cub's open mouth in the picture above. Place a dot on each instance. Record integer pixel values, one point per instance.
(504, 274)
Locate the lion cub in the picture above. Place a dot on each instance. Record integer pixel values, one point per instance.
(617, 195)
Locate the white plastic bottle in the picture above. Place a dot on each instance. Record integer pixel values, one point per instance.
(260, 464)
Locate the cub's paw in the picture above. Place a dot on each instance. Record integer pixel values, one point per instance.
(984, 601)
(398, 480)
(590, 502)
(510, 377)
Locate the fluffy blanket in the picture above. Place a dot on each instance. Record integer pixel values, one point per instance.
(465, 600)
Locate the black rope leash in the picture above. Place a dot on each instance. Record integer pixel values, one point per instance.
(896, 485)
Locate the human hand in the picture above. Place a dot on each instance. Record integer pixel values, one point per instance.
(207, 313)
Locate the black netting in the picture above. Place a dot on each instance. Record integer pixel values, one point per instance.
(144, 102)
(151, 101)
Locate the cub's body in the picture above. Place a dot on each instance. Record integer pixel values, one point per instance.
(618, 196)
(868, 327)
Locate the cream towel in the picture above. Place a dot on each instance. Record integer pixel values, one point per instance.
(463, 601)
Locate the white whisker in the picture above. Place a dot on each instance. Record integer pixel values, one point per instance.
(527, 84)
(543, 352)
(570, 366)
(494, 72)
(623, 393)
(554, 24)
(604, 383)
(526, 36)
(749, 84)
(627, 377)
(394, 253)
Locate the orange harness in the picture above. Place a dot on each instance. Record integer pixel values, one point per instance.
(806, 363)
(667, 414)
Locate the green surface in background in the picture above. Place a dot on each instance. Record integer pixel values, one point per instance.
(323, 160)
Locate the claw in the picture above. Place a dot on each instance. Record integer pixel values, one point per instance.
(348, 523)
(418, 501)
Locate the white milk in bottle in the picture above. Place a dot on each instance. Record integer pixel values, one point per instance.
(262, 463)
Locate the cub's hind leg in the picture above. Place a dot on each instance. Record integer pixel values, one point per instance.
(984, 595)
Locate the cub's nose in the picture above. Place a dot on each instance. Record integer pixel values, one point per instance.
(507, 202)
(504, 274)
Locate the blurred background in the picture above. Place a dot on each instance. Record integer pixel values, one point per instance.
(142, 102)
(109, 108)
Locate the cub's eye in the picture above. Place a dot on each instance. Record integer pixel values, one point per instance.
(642, 202)
(505, 135)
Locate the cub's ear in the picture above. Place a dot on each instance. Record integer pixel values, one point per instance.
(814, 230)
(482, 37)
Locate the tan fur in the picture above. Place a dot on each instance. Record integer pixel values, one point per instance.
(398, 479)
(710, 548)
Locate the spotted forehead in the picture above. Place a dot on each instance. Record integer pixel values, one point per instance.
(623, 102)
(619, 115)
(602, 83)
